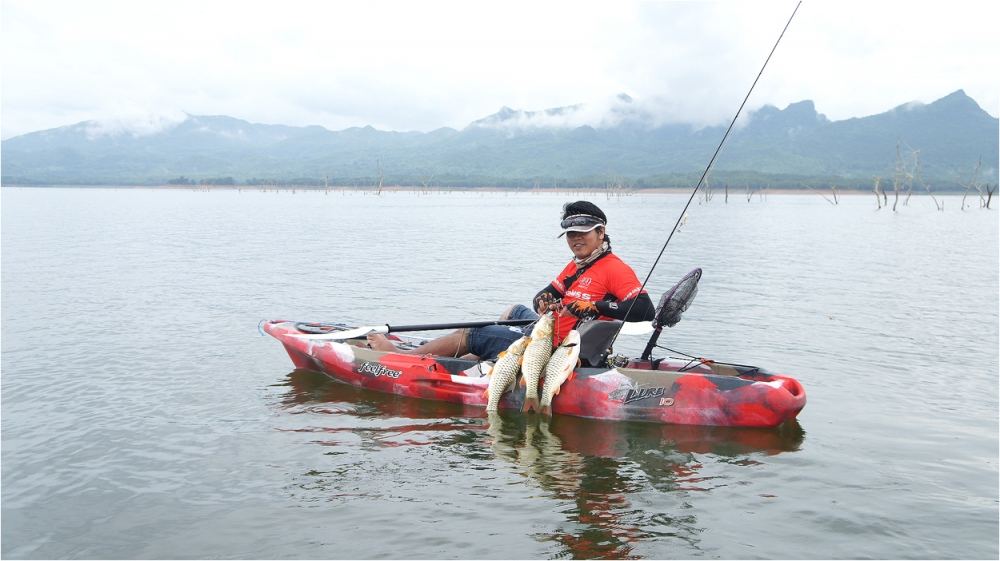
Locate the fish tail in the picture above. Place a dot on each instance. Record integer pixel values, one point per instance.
(530, 404)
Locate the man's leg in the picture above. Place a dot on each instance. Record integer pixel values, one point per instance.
(452, 344)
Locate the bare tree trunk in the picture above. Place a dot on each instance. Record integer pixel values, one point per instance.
(727, 194)
(989, 194)
(974, 183)
(897, 177)
(878, 199)
(821, 195)
(911, 174)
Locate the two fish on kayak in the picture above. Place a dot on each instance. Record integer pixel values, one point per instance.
(534, 357)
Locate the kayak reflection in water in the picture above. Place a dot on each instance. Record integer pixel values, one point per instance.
(595, 284)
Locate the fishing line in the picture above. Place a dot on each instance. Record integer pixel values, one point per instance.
(707, 168)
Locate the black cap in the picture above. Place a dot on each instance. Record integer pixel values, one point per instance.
(581, 216)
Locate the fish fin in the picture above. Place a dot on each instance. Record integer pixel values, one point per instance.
(486, 394)
(502, 353)
(545, 410)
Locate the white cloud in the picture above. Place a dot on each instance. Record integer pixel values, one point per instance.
(135, 123)
(420, 65)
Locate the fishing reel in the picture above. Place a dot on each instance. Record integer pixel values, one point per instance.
(618, 361)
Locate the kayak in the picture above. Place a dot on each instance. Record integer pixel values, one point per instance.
(589, 437)
(694, 392)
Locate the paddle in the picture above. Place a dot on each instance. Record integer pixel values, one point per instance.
(367, 329)
(630, 328)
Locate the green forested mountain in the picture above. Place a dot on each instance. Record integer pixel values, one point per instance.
(790, 147)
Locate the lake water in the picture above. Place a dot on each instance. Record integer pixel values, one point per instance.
(144, 416)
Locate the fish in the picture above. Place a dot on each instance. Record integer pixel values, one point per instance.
(504, 372)
(559, 369)
(536, 356)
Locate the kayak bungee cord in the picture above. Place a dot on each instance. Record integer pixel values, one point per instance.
(696, 361)
(707, 168)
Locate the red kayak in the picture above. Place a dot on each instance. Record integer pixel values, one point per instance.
(699, 392)
(692, 392)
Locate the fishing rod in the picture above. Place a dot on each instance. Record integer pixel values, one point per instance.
(707, 168)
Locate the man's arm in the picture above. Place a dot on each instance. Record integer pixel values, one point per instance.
(642, 308)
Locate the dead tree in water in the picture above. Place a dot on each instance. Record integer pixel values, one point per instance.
(426, 185)
(833, 202)
(910, 174)
(974, 183)
(878, 199)
(381, 176)
(897, 177)
(616, 187)
(915, 176)
(706, 192)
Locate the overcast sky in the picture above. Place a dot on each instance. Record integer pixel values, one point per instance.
(420, 65)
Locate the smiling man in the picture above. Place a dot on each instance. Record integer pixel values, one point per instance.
(595, 283)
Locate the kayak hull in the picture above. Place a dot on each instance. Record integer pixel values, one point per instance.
(674, 392)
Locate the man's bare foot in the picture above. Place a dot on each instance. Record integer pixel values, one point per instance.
(380, 342)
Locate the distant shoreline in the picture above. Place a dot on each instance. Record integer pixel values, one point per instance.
(716, 192)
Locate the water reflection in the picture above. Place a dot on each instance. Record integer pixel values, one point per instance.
(597, 466)
(615, 484)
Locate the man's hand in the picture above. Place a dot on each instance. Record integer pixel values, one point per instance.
(584, 310)
(546, 302)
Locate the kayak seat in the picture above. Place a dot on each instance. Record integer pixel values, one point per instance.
(595, 340)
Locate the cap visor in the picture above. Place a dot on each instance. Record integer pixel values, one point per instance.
(578, 229)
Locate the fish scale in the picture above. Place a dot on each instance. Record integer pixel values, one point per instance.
(558, 370)
(536, 356)
(504, 372)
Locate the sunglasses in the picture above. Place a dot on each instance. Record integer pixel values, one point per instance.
(579, 220)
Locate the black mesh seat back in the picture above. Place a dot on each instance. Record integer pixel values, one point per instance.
(595, 340)
(676, 301)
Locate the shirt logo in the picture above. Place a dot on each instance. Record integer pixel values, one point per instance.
(585, 282)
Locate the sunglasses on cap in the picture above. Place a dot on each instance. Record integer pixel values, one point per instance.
(580, 223)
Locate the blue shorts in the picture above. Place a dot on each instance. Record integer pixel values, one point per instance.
(487, 342)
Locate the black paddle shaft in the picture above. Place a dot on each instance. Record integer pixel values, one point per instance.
(436, 326)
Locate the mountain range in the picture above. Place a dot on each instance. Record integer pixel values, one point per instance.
(794, 146)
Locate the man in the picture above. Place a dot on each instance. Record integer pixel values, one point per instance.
(596, 284)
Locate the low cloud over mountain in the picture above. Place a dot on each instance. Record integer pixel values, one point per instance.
(621, 139)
